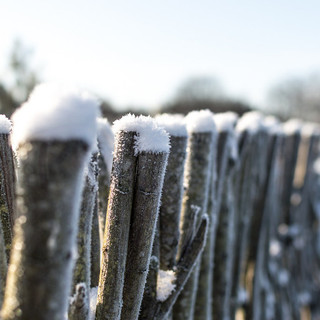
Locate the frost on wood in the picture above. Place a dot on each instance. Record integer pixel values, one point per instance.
(165, 284)
(48, 193)
(3, 266)
(196, 181)
(54, 112)
(7, 187)
(79, 303)
(114, 249)
(93, 302)
(149, 181)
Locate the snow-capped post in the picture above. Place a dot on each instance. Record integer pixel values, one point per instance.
(7, 183)
(3, 266)
(54, 132)
(224, 123)
(201, 129)
(169, 213)
(223, 255)
(115, 244)
(246, 181)
(152, 149)
(105, 144)
(79, 303)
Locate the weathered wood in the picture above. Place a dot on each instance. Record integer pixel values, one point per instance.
(3, 266)
(48, 194)
(194, 205)
(79, 308)
(149, 181)
(115, 245)
(7, 185)
(95, 253)
(171, 201)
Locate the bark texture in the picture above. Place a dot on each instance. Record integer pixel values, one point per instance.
(149, 181)
(194, 205)
(115, 245)
(7, 186)
(48, 194)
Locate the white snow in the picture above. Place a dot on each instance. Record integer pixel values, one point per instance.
(165, 284)
(251, 122)
(292, 126)
(309, 128)
(93, 302)
(5, 124)
(200, 121)
(225, 121)
(106, 141)
(54, 112)
(174, 124)
(150, 137)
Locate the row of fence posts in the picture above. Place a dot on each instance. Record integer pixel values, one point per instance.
(207, 216)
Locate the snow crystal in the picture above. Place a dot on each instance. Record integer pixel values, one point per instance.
(225, 121)
(173, 123)
(106, 141)
(5, 124)
(150, 137)
(200, 121)
(292, 126)
(251, 122)
(165, 284)
(53, 112)
(93, 302)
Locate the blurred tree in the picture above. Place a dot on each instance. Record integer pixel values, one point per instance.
(203, 93)
(296, 97)
(22, 79)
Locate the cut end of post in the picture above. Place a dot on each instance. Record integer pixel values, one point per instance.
(105, 140)
(225, 121)
(54, 112)
(150, 137)
(174, 124)
(5, 124)
(200, 121)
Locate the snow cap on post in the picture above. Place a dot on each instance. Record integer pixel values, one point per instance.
(174, 124)
(250, 122)
(200, 121)
(150, 137)
(54, 112)
(225, 121)
(292, 126)
(105, 140)
(5, 124)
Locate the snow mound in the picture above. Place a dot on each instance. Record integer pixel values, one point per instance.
(225, 121)
(200, 121)
(250, 122)
(173, 123)
(150, 137)
(53, 112)
(5, 124)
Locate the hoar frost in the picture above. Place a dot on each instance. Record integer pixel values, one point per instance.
(165, 284)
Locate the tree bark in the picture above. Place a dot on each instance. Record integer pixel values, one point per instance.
(7, 185)
(149, 181)
(194, 205)
(115, 245)
(48, 193)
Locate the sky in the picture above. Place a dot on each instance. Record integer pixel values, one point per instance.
(137, 53)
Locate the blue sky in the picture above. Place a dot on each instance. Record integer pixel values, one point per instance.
(139, 52)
